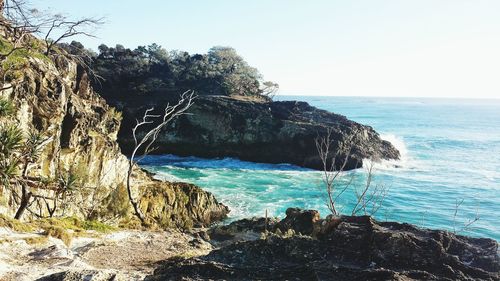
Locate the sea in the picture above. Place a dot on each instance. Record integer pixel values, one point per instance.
(448, 176)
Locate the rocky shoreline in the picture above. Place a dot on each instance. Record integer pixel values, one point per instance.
(255, 130)
(52, 95)
(302, 246)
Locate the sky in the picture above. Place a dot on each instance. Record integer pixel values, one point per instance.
(419, 48)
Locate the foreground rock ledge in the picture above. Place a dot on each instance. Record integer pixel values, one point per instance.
(346, 248)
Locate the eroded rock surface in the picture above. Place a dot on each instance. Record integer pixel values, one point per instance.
(259, 131)
(346, 248)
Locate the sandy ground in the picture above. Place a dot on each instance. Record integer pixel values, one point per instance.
(131, 254)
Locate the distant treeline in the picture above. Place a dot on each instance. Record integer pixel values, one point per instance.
(155, 72)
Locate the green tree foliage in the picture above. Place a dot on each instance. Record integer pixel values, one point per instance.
(17, 153)
(153, 72)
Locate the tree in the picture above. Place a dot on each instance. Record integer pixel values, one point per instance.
(22, 20)
(17, 154)
(144, 143)
(269, 89)
(237, 77)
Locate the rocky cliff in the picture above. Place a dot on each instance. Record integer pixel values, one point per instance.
(256, 130)
(52, 95)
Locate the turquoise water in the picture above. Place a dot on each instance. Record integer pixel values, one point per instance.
(450, 148)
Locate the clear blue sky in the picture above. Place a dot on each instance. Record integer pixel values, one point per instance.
(363, 48)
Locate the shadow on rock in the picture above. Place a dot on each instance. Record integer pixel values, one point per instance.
(304, 247)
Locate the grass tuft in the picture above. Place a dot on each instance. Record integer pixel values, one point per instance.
(36, 240)
(15, 224)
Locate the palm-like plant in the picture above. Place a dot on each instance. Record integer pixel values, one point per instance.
(10, 143)
(6, 108)
(31, 149)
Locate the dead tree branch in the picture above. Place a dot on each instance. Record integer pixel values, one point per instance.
(145, 142)
(332, 169)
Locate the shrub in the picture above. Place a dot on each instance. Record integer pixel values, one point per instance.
(60, 233)
(36, 240)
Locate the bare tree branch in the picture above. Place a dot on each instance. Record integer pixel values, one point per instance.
(145, 142)
(67, 29)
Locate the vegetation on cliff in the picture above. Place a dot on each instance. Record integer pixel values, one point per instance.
(58, 150)
(152, 72)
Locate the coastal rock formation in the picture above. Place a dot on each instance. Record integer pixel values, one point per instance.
(256, 130)
(52, 95)
(345, 248)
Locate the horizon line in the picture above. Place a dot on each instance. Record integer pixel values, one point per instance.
(402, 97)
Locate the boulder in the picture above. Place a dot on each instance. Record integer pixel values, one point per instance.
(300, 221)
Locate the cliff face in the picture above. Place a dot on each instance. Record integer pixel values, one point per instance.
(54, 97)
(80, 128)
(260, 131)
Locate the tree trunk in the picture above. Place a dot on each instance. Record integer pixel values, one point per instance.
(137, 211)
(25, 200)
(2, 7)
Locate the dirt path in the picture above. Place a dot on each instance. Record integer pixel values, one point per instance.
(130, 254)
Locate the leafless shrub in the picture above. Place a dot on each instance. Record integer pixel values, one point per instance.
(465, 226)
(334, 157)
(369, 197)
(332, 169)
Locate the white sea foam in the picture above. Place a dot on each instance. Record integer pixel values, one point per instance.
(403, 162)
(165, 176)
(398, 142)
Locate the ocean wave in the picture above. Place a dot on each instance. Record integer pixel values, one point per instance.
(404, 162)
(215, 163)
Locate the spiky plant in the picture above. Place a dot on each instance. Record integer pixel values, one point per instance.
(32, 147)
(11, 138)
(10, 142)
(70, 181)
(6, 108)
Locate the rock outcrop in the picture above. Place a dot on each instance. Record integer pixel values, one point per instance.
(345, 248)
(256, 130)
(52, 95)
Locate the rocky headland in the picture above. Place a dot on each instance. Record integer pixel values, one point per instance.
(257, 130)
(302, 246)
